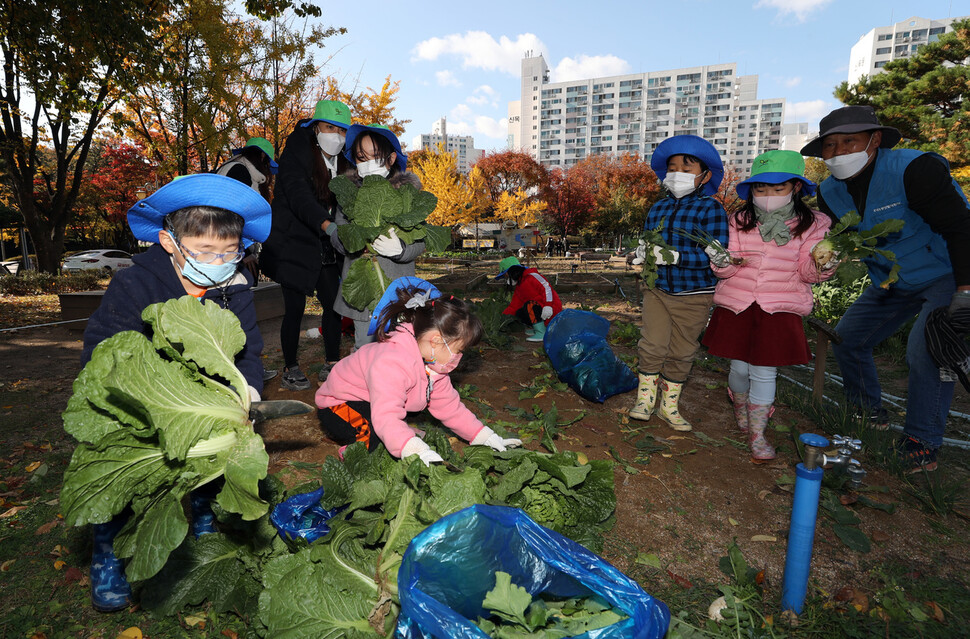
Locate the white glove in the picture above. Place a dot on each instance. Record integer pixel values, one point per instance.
(417, 446)
(834, 260)
(637, 261)
(658, 254)
(718, 256)
(546, 313)
(488, 437)
(253, 394)
(388, 245)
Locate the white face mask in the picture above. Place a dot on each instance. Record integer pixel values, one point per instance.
(769, 203)
(331, 143)
(680, 184)
(845, 166)
(372, 167)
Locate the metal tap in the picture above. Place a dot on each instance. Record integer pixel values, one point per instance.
(845, 447)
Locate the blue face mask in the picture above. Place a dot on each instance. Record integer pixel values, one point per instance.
(204, 275)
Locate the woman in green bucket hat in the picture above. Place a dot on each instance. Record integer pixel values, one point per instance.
(298, 254)
(765, 288)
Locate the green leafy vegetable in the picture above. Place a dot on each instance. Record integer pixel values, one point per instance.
(156, 420)
(654, 237)
(843, 243)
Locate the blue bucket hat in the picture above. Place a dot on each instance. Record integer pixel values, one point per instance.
(390, 296)
(775, 167)
(689, 145)
(146, 216)
(263, 145)
(378, 129)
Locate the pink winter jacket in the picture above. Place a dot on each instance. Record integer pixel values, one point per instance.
(778, 278)
(391, 376)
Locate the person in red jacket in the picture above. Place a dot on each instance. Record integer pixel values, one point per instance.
(534, 302)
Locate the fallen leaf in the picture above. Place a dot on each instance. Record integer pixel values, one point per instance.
(7, 565)
(60, 563)
(759, 578)
(59, 551)
(648, 559)
(130, 633)
(845, 594)
(43, 529)
(12, 511)
(849, 499)
(935, 610)
(732, 521)
(764, 538)
(53, 502)
(667, 455)
(39, 635)
(680, 581)
(879, 536)
(73, 575)
(764, 493)
(676, 437)
(195, 620)
(231, 634)
(31, 467)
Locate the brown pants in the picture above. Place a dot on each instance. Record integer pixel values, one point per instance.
(669, 330)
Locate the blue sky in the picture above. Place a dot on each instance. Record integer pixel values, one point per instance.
(461, 59)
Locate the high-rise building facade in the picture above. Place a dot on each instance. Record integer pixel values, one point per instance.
(463, 146)
(561, 123)
(885, 44)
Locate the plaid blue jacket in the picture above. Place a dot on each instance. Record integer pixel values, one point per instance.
(694, 214)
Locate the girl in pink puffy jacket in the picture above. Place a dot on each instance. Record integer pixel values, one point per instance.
(765, 288)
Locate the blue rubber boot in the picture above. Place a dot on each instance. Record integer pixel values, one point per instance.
(110, 591)
(203, 519)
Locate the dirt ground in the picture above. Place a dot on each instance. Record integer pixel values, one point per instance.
(684, 505)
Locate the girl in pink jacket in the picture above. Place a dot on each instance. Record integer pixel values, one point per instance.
(765, 288)
(420, 338)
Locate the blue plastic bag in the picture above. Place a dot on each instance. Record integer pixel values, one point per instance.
(576, 344)
(448, 568)
(303, 516)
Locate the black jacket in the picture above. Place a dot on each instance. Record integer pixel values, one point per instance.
(151, 279)
(297, 246)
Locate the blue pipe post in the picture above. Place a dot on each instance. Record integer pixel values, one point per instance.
(801, 532)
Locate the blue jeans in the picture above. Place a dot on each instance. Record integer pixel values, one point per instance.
(872, 318)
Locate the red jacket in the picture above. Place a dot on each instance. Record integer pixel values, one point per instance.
(534, 288)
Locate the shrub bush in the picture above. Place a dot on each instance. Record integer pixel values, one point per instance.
(833, 298)
(37, 283)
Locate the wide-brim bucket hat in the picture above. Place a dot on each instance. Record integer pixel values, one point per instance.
(689, 145)
(391, 294)
(333, 111)
(377, 129)
(775, 167)
(506, 264)
(263, 145)
(146, 216)
(851, 119)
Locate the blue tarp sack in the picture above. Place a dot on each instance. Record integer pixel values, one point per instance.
(302, 516)
(451, 564)
(576, 344)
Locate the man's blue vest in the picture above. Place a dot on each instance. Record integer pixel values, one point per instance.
(921, 253)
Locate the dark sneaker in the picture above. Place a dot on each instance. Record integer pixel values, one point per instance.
(324, 371)
(269, 373)
(876, 419)
(915, 456)
(294, 379)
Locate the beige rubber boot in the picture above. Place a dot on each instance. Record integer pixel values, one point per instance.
(646, 397)
(740, 401)
(761, 450)
(669, 398)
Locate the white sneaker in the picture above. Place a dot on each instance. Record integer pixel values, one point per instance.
(312, 333)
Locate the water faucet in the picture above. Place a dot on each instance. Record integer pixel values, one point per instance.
(845, 447)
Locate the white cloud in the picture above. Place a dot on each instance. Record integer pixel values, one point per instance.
(585, 66)
(479, 50)
(447, 79)
(463, 121)
(811, 111)
(793, 82)
(800, 8)
(484, 95)
(459, 113)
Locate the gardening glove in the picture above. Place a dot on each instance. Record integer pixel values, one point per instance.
(546, 313)
(417, 446)
(488, 437)
(658, 253)
(718, 255)
(640, 253)
(959, 303)
(388, 245)
(834, 260)
(253, 394)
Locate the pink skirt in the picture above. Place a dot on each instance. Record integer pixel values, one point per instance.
(757, 337)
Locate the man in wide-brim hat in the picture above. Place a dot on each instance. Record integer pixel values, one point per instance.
(932, 250)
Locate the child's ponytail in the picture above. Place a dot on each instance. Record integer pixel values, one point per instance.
(448, 314)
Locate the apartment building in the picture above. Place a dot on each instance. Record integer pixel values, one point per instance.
(885, 44)
(463, 146)
(562, 123)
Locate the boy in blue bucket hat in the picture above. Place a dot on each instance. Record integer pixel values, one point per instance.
(675, 311)
(201, 225)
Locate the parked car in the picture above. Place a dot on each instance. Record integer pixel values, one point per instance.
(107, 259)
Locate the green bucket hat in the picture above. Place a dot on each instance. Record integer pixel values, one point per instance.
(775, 167)
(333, 111)
(506, 264)
(263, 145)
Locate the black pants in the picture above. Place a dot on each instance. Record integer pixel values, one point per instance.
(294, 304)
(348, 423)
(529, 313)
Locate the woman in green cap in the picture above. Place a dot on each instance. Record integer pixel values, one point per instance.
(254, 165)
(765, 288)
(298, 254)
